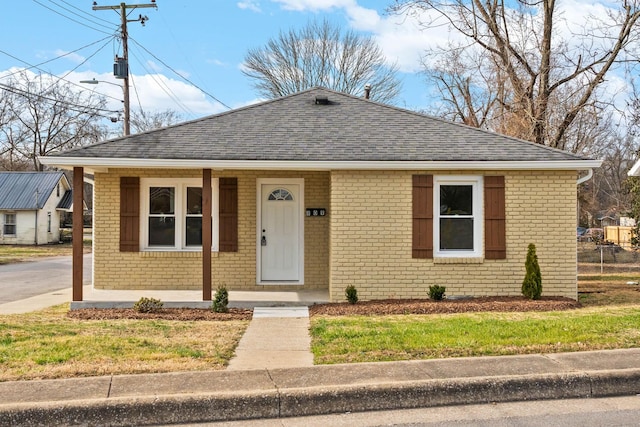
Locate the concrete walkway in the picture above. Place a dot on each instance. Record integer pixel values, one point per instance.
(201, 397)
(277, 337)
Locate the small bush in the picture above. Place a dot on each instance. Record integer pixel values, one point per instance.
(532, 283)
(221, 300)
(148, 305)
(352, 294)
(436, 292)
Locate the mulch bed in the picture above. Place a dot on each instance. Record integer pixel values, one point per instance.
(164, 314)
(427, 306)
(368, 308)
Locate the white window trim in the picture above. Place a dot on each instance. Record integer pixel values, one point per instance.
(14, 223)
(476, 181)
(180, 186)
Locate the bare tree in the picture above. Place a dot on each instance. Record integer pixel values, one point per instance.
(321, 55)
(539, 84)
(42, 116)
(142, 121)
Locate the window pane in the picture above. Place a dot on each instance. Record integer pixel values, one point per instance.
(162, 231)
(194, 201)
(456, 200)
(456, 233)
(194, 231)
(9, 224)
(162, 200)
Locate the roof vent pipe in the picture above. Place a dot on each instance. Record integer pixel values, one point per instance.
(367, 91)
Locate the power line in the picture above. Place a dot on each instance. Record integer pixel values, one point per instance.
(49, 60)
(86, 13)
(180, 75)
(69, 18)
(89, 18)
(165, 88)
(123, 63)
(37, 67)
(70, 105)
(83, 62)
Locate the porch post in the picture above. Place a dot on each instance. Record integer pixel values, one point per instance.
(77, 232)
(206, 234)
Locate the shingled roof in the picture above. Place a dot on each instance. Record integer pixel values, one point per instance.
(317, 125)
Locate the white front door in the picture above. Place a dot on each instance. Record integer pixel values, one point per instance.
(279, 232)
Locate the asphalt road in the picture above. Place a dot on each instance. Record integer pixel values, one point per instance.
(26, 279)
(612, 411)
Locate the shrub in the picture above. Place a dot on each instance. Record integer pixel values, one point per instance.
(148, 305)
(436, 292)
(352, 294)
(221, 300)
(532, 284)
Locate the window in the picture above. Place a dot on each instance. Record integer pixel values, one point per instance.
(172, 214)
(48, 222)
(9, 228)
(457, 216)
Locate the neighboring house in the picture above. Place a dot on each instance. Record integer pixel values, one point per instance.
(321, 190)
(31, 201)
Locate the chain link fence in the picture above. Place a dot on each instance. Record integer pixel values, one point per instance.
(594, 258)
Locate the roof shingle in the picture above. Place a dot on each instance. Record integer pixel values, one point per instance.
(296, 128)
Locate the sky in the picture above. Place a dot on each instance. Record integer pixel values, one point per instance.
(203, 41)
(188, 56)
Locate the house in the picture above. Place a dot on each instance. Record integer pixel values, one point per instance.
(31, 205)
(321, 190)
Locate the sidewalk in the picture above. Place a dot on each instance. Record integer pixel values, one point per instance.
(272, 376)
(277, 337)
(193, 397)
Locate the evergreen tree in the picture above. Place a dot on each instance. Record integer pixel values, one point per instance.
(532, 284)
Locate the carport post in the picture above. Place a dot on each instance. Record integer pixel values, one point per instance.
(77, 232)
(206, 234)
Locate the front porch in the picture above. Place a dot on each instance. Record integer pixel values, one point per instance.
(99, 298)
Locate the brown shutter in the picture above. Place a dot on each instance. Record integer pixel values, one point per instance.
(422, 216)
(495, 245)
(129, 214)
(228, 230)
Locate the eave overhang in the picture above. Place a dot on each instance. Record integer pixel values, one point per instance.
(104, 164)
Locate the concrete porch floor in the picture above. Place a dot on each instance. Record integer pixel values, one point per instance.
(98, 298)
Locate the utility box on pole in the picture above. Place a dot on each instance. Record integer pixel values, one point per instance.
(120, 68)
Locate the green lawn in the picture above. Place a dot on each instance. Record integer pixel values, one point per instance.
(48, 344)
(385, 338)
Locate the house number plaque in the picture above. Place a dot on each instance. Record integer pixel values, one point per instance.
(316, 211)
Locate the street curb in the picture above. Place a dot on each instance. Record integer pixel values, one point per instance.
(295, 402)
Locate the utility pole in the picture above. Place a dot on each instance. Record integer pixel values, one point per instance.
(121, 68)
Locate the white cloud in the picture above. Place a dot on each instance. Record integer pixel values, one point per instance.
(153, 66)
(250, 5)
(315, 5)
(400, 37)
(155, 92)
(73, 57)
(217, 62)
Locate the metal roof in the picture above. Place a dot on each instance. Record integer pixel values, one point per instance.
(66, 203)
(18, 189)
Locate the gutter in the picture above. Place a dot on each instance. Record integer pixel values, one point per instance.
(585, 178)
